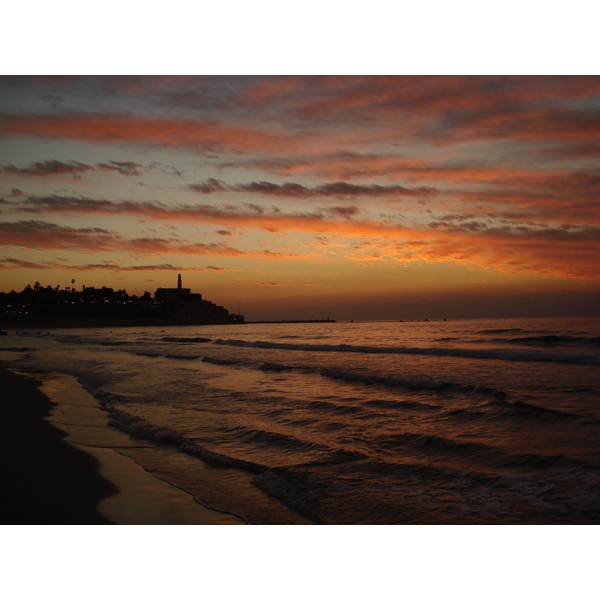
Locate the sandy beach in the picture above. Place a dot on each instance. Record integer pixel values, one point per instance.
(46, 480)
(49, 481)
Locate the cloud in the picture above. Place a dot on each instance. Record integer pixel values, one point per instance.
(15, 263)
(53, 167)
(474, 237)
(495, 172)
(62, 203)
(117, 129)
(254, 215)
(47, 168)
(123, 168)
(42, 235)
(279, 116)
(296, 190)
(209, 187)
(343, 211)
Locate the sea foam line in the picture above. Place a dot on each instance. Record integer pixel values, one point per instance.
(138, 427)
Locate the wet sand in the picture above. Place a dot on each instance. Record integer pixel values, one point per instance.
(49, 481)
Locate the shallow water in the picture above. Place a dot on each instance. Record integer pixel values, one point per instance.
(470, 421)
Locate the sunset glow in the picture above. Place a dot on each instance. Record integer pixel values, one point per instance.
(393, 197)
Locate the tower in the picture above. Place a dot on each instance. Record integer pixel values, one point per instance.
(179, 282)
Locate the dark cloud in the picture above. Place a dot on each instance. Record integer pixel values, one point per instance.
(296, 190)
(15, 263)
(58, 203)
(123, 168)
(56, 167)
(93, 267)
(210, 186)
(149, 245)
(48, 167)
(342, 188)
(213, 248)
(42, 226)
(343, 211)
(266, 187)
(161, 267)
(204, 212)
(256, 208)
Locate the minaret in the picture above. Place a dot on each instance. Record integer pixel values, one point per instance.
(179, 282)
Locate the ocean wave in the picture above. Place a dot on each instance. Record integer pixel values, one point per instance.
(488, 353)
(274, 367)
(220, 361)
(434, 445)
(510, 329)
(182, 356)
(464, 414)
(17, 349)
(440, 448)
(139, 428)
(537, 461)
(332, 407)
(524, 409)
(316, 453)
(399, 405)
(92, 341)
(272, 439)
(186, 340)
(106, 399)
(412, 384)
(519, 409)
(556, 340)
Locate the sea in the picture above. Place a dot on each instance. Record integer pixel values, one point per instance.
(473, 421)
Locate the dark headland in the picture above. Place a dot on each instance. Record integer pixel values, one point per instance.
(38, 307)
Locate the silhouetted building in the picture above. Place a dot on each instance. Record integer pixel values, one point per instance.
(186, 307)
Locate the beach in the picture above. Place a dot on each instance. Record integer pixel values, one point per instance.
(49, 481)
(46, 480)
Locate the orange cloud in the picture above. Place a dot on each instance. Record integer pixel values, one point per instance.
(112, 129)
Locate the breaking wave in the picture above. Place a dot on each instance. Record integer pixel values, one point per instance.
(139, 428)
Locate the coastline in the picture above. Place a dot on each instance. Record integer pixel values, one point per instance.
(57, 471)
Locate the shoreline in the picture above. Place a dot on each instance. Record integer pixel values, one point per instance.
(57, 470)
(46, 480)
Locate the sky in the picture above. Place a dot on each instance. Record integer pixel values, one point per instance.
(308, 197)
